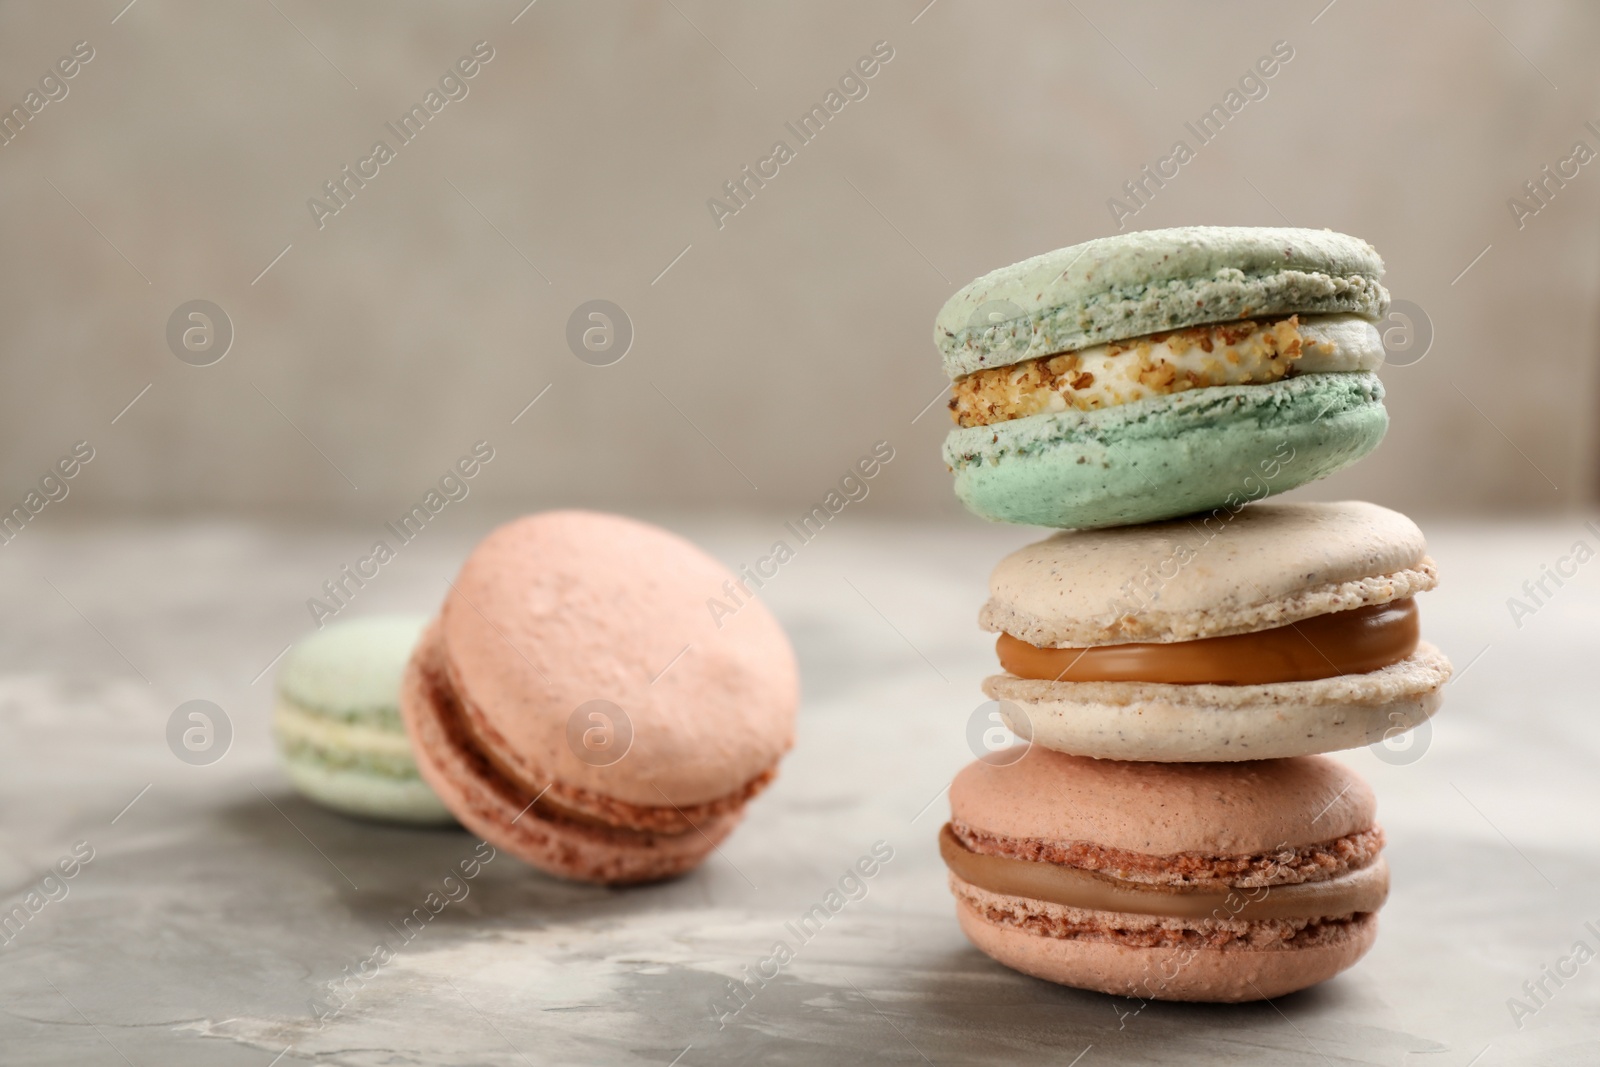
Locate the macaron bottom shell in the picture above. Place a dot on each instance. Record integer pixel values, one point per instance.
(1158, 723)
(1167, 456)
(490, 805)
(1188, 973)
(366, 795)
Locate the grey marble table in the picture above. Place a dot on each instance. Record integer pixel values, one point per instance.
(218, 907)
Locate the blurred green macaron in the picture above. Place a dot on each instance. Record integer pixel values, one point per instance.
(337, 721)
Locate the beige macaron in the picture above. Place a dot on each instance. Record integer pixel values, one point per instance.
(1268, 631)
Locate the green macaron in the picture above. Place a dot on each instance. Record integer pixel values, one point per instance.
(337, 721)
(1145, 376)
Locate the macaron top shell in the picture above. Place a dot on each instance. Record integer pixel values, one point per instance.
(1267, 564)
(351, 669)
(1129, 285)
(1163, 809)
(558, 609)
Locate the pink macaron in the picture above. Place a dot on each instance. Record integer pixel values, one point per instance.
(1167, 881)
(579, 705)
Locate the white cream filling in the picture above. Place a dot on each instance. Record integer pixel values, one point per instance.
(293, 725)
(1121, 372)
(1332, 344)
(1339, 344)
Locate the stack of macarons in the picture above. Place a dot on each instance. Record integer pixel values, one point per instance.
(1179, 657)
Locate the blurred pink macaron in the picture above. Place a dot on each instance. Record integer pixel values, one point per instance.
(578, 704)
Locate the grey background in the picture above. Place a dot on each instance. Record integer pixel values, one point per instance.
(427, 313)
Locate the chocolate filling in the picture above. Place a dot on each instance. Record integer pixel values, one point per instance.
(1342, 642)
(1362, 890)
(1282, 866)
(1135, 931)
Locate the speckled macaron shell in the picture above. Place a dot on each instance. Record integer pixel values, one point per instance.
(1189, 723)
(1129, 285)
(561, 608)
(1233, 571)
(1166, 456)
(1164, 809)
(499, 810)
(337, 722)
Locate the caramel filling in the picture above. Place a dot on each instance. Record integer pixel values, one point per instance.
(1358, 891)
(1344, 642)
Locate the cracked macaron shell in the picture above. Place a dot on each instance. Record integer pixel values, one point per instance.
(1129, 285)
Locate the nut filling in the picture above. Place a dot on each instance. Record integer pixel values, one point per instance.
(1227, 353)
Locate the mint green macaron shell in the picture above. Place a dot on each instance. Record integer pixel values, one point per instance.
(350, 670)
(1133, 284)
(1167, 456)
